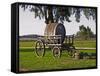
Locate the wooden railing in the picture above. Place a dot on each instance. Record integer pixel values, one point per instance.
(53, 39)
(69, 39)
(56, 40)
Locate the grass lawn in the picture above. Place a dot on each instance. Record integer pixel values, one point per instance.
(27, 43)
(85, 43)
(30, 62)
(77, 43)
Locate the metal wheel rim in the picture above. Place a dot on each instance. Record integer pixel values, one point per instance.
(56, 52)
(40, 48)
(71, 51)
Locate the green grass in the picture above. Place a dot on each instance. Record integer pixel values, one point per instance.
(27, 43)
(30, 62)
(77, 43)
(85, 43)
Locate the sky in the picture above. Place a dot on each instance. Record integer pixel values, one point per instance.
(30, 25)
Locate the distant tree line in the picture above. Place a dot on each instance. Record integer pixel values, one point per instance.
(85, 32)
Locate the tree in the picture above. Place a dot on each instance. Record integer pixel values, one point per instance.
(58, 13)
(84, 32)
(89, 33)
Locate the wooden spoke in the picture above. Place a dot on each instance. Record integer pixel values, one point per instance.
(40, 48)
(56, 52)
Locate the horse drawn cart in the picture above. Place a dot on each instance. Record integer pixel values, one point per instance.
(56, 39)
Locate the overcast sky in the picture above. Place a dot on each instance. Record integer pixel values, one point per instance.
(29, 25)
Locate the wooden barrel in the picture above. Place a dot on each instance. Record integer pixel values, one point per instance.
(55, 29)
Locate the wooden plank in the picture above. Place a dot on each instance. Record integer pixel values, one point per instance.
(54, 44)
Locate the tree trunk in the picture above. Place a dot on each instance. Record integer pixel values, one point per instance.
(49, 15)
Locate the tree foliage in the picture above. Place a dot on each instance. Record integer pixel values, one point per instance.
(85, 32)
(59, 13)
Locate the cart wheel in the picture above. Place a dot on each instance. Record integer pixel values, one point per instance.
(71, 51)
(40, 48)
(56, 52)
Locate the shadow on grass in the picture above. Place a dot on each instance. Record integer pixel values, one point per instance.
(84, 55)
